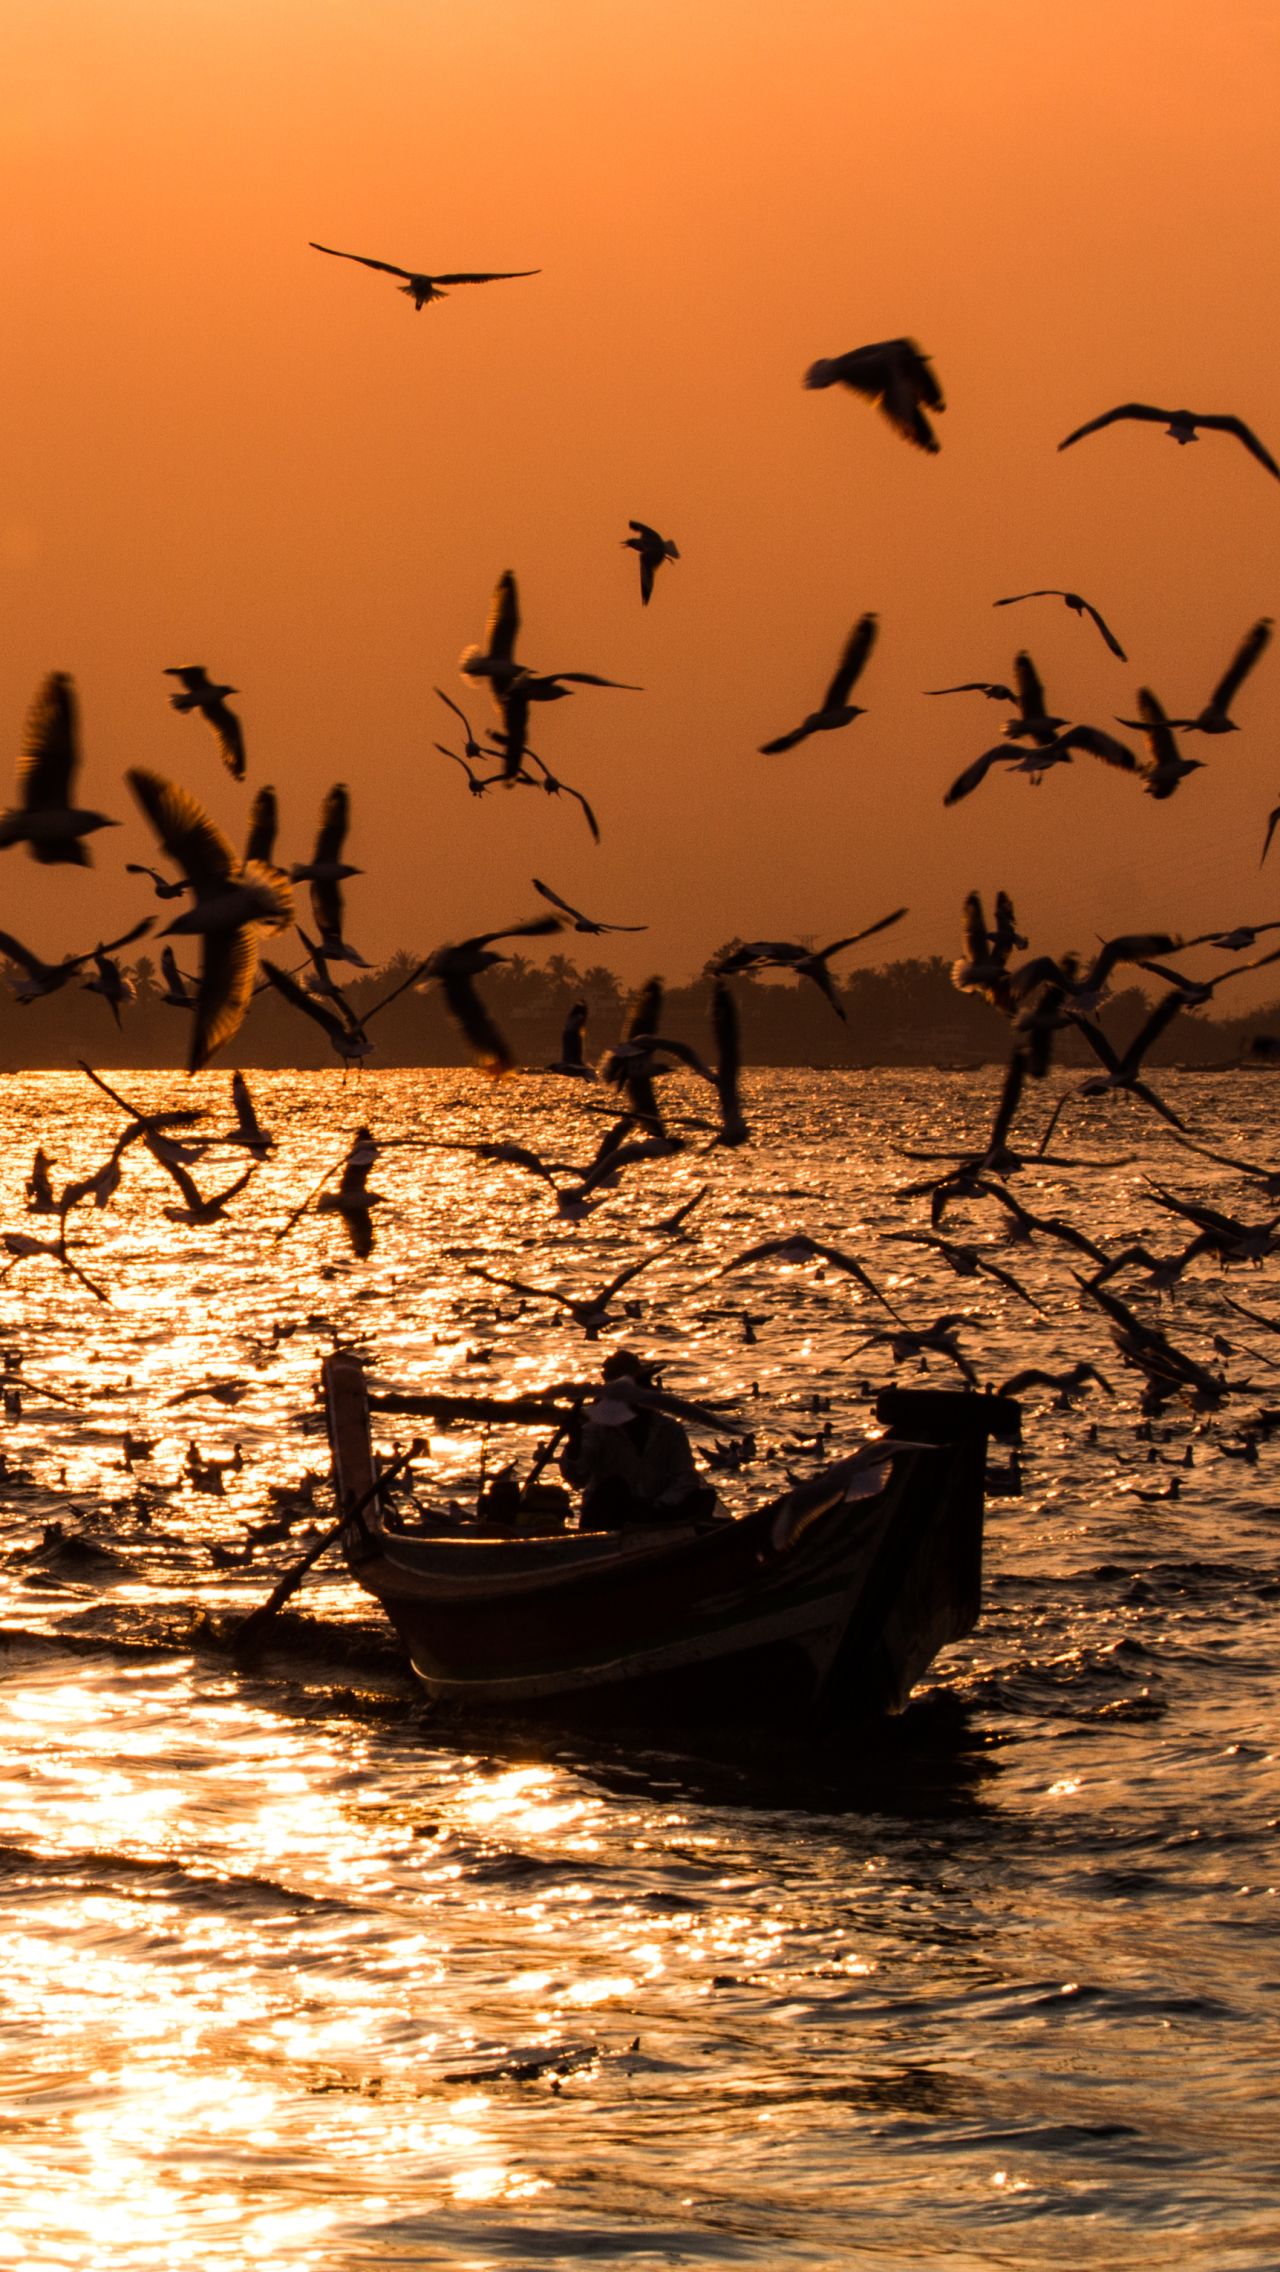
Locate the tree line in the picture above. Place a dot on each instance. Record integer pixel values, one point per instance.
(904, 1013)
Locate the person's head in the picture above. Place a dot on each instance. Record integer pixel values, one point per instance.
(623, 1364)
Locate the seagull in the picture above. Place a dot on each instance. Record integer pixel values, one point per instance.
(514, 697)
(200, 692)
(477, 783)
(418, 286)
(572, 1061)
(1022, 1224)
(177, 991)
(326, 871)
(455, 968)
(1164, 765)
(231, 903)
(733, 1129)
(353, 1199)
(983, 968)
(195, 1208)
(807, 962)
(577, 920)
(248, 1129)
(495, 660)
(653, 550)
(1123, 1072)
(1077, 604)
(45, 821)
(1214, 718)
(591, 1311)
(22, 1246)
(1042, 756)
(938, 1339)
(264, 820)
(836, 709)
(162, 888)
(1272, 818)
(48, 978)
(109, 981)
(966, 1262)
(895, 375)
(346, 1033)
(1182, 425)
(1033, 723)
(1168, 1371)
(553, 788)
(1196, 992)
(796, 1246)
(1068, 1385)
(992, 688)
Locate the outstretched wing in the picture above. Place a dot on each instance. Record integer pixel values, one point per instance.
(482, 276)
(1245, 434)
(228, 969)
(191, 839)
(1143, 410)
(973, 775)
(1105, 628)
(856, 937)
(1246, 655)
(785, 741)
(503, 626)
(50, 745)
(858, 646)
(335, 819)
(387, 267)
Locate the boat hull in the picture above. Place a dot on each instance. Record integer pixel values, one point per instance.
(824, 1606)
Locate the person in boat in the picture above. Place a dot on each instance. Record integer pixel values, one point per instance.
(640, 1470)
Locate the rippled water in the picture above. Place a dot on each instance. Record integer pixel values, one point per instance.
(294, 1973)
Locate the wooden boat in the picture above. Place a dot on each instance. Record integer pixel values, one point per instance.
(824, 1606)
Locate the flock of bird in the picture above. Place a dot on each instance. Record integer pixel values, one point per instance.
(228, 901)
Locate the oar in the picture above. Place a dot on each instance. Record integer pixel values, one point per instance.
(248, 1633)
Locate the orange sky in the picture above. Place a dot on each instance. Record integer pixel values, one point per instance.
(220, 447)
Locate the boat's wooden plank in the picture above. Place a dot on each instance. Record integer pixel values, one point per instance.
(347, 1405)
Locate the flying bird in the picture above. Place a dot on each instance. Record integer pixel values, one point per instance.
(45, 820)
(1078, 606)
(264, 821)
(232, 902)
(345, 1031)
(418, 286)
(807, 962)
(895, 375)
(1215, 718)
(653, 550)
(200, 692)
(47, 978)
(1182, 425)
(836, 708)
(577, 920)
(160, 885)
(326, 871)
(456, 968)
(1164, 765)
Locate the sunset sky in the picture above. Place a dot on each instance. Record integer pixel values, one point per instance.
(221, 447)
